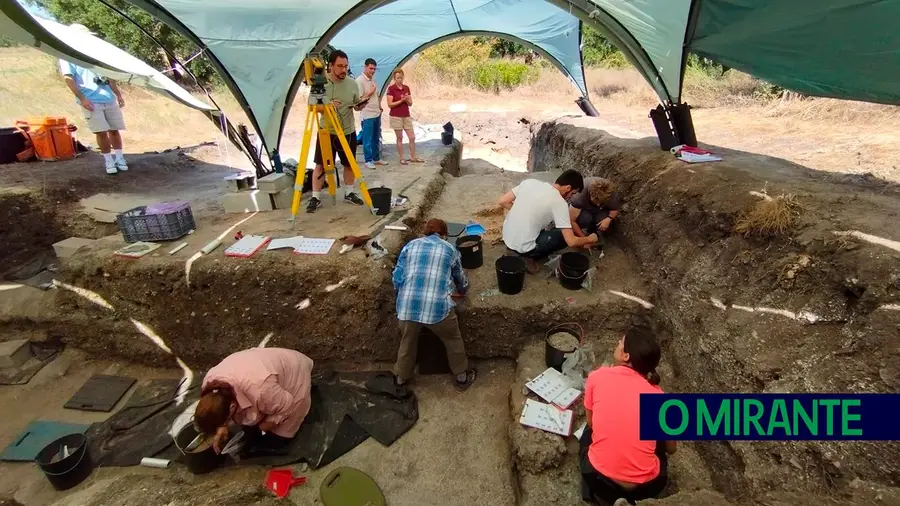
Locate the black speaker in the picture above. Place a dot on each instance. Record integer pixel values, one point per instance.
(684, 124)
(587, 107)
(664, 129)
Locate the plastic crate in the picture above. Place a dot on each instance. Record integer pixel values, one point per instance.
(157, 222)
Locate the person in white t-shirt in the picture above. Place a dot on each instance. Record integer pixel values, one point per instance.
(370, 115)
(533, 206)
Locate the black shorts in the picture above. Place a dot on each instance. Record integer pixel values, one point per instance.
(337, 151)
(597, 486)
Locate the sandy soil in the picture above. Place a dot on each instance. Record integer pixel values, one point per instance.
(407, 471)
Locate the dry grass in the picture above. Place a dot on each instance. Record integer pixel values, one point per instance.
(728, 111)
(30, 85)
(768, 217)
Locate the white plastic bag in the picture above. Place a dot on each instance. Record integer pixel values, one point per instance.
(578, 364)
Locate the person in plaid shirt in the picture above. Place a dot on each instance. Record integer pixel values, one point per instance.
(427, 272)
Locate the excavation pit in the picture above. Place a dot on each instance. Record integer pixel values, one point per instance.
(807, 311)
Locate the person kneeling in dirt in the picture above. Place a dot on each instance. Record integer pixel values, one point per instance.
(265, 388)
(616, 466)
(533, 205)
(594, 208)
(428, 270)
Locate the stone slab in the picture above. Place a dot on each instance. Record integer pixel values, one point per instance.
(14, 353)
(274, 183)
(70, 246)
(247, 202)
(239, 182)
(284, 198)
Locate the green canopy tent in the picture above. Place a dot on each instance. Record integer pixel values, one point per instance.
(834, 48)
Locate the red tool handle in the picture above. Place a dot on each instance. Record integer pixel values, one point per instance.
(298, 481)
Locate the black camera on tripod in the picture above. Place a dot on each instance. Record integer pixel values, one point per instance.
(318, 79)
(317, 86)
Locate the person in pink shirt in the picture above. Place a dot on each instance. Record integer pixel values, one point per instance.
(616, 465)
(266, 388)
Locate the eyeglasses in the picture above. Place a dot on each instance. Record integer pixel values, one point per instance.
(340, 66)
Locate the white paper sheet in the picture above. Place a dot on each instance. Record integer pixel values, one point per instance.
(247, 246)
(546, 417)
(553, 387)
(285, 242)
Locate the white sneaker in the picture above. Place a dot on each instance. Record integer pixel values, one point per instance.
(111, 169)
(121, 165)
(370, 165)
(621, 502)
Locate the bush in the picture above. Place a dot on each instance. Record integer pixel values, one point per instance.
(496, 75)
(457, 59)
(615, 60)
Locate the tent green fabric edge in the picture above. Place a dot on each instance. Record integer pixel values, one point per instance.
(845, 49)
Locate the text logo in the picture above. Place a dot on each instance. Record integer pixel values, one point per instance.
(750, 417)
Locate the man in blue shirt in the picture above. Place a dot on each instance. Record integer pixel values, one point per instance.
(101, 103)
(428, 275)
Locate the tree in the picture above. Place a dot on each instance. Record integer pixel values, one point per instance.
(122, 33)
(596, 50)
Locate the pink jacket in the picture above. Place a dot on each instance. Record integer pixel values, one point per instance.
(270, 385)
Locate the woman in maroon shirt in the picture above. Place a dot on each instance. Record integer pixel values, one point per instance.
(399, 100)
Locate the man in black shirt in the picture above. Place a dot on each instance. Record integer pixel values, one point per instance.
(594, 208)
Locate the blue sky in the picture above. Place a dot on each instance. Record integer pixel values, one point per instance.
(35, 9)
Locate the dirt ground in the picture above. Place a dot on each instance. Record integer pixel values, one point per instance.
(787, 312)
(407, 471)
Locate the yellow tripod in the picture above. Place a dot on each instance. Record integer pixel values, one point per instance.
(319, 116)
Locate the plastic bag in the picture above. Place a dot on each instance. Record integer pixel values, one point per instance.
(578, 365)
(375, 249)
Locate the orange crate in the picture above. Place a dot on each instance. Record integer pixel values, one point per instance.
(36, 121)
(51, 138)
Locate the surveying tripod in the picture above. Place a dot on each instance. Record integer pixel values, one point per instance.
(320, 115)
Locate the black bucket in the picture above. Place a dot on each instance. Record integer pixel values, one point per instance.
(470, 250)
(66, 472)
(12, 142)
(572, 269)
(200, 462)
(446, 138)
(381, 200)
(554, 357)
(510, 274)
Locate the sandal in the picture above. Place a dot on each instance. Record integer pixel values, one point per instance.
(404, 162)
(417, 160)
(471, 374)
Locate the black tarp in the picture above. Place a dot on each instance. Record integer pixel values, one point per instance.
(344, 413)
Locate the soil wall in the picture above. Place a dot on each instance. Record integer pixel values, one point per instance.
(804, 311)
(333, 308)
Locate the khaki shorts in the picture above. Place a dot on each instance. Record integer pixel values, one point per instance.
(104, 117)
(398, 123)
